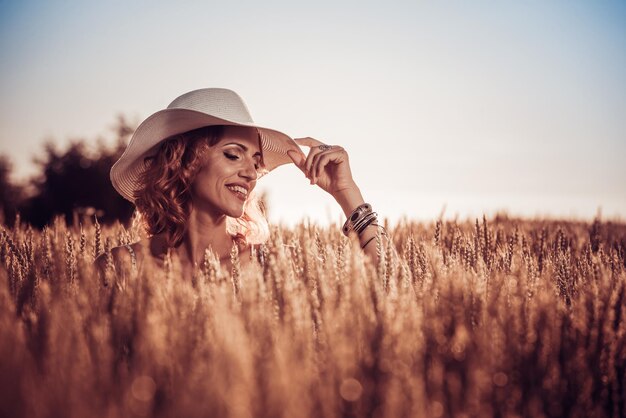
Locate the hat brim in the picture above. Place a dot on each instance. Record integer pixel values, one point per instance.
(126, 172)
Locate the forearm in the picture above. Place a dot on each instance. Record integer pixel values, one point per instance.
(349, 199)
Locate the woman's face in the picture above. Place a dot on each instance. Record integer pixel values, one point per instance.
(229, 174)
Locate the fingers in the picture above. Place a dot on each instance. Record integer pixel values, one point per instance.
(314, 163)
(314, 154)
(320, 160)
(309, 160)
(313, 144)
(308, 141)
(323, 161)
(298, 159)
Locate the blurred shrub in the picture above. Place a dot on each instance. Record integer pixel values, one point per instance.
(73, 182)
(10, 193)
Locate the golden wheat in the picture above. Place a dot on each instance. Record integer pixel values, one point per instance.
(498, 318)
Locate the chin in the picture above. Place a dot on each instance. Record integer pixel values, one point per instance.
(235, 213)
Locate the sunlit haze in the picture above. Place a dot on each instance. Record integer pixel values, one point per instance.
(461, 108)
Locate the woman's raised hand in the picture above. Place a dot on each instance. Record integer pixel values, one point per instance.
(326, 165)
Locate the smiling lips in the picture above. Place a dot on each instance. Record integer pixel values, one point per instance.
(239, 191)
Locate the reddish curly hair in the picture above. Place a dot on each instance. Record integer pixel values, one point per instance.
(164, 200)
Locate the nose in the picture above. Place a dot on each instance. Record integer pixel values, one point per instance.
(249, 172)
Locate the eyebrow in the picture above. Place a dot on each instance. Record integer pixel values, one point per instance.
(244, 148)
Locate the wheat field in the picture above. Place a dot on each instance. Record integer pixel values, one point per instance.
(494, 317)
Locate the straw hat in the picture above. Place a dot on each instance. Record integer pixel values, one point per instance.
(193, 110)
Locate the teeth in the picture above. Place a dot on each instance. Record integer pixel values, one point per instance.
(238, 189)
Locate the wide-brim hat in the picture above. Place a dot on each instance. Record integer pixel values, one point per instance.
(193, 110)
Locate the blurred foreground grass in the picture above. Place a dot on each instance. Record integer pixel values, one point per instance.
(492, 318)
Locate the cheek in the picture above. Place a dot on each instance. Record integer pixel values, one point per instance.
(203, 185)
(203, 182)
(211, 177)
(206, 173)
(215, 166)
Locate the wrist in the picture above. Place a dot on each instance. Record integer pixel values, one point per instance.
(349, 198)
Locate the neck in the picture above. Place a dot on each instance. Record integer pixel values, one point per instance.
(203, 232)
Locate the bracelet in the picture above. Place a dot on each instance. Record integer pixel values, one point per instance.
(368, 241)
(356, 217)
(365, 222)
(381, 227)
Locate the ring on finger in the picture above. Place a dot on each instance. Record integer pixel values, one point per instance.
(325, 147)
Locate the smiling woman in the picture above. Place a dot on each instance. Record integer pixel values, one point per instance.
(231, 169)
(201, 169)
(191, 171)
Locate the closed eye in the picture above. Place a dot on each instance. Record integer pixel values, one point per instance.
(236, 157)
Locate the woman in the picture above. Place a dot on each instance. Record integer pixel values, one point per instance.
(191, 171)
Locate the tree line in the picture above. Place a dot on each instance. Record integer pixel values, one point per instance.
(73, 182)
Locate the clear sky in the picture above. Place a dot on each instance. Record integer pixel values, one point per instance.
(473, 106)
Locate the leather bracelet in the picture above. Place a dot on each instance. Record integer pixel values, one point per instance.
(381, 227)
(367, 220)
(368, 241)
(356, 217)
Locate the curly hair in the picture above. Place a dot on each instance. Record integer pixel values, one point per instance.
(164, 200)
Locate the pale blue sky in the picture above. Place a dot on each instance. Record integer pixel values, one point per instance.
(478, 106)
